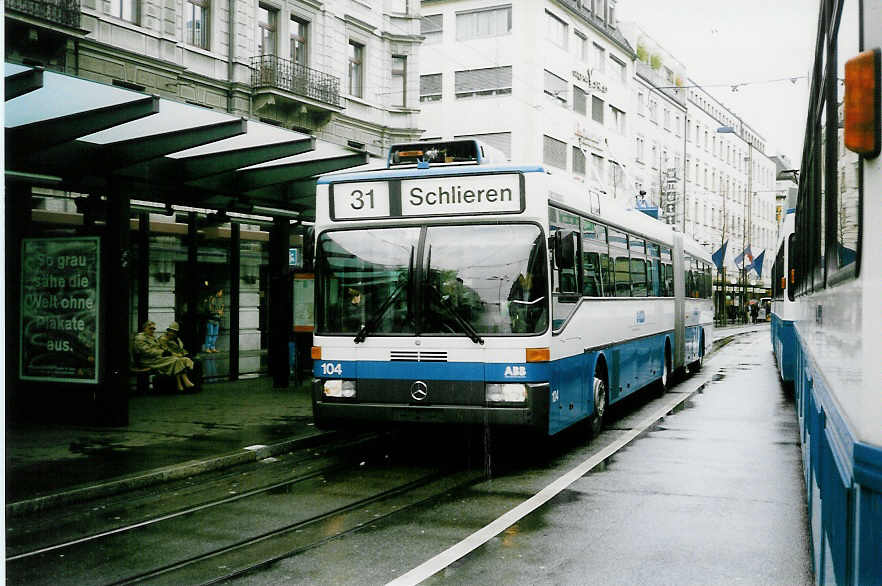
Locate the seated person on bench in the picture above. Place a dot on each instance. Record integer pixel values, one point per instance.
(150, 353)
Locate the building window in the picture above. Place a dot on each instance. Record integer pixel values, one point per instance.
(482, 82)
(196, 23)
(399, 81)
(581, 46)
(501, 141)
(396, 6)
(580, 100)
(125, 9)
(677, 125)
(596, 109)
(554, 152)
(555, 30)
(667, 119)
(356, 69)
(653, 155)
(641, 104)
(619, 70)
(430, 87)
(484, 23)
(578, 162)
(611, 14)
(556, 86)
(597, 167)
(640, 151)
(299, 41)
(653, 110)
(431, 27)
(618, 120)
(599, 58)
(267, 19)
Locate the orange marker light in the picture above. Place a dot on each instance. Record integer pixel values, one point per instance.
(316, 353)
(792, 276)
(538, 355)
(783, 282)
(862, 103)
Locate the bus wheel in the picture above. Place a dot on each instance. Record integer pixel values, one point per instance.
(696, 366)
(601, 396)
(664, 383)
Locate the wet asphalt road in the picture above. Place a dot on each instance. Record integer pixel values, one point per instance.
(711, 494)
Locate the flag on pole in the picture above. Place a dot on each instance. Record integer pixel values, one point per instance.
(719, 255)
(740, 259)
(758, 263)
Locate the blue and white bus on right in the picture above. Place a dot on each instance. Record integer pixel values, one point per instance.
(783, 304)
(834, 265)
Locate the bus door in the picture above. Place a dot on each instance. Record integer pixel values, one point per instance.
(679, 303)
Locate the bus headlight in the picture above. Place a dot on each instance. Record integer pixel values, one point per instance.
(505, 392)
(341, 389)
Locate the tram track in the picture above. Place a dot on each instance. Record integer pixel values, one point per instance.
(39, 533)
(202, 542)
(262, 550)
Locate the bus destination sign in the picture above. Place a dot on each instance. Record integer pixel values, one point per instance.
(437, 196)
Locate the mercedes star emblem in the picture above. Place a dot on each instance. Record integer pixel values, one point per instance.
(419, 391)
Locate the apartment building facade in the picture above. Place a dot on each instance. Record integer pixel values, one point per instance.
(343, 71)
(546, 81)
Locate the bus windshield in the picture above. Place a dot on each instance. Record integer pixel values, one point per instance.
(474, 280)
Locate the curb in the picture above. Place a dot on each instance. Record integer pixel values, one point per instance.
(165, 474)
(83, 493)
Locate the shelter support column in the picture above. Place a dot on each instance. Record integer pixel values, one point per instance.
(112, 400)
(280, 310)
(18, 218)
(235, 260)
(190, 325)
(143, 267)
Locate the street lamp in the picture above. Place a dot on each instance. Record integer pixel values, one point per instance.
(745, 236)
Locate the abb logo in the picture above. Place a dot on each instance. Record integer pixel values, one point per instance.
(515, 370)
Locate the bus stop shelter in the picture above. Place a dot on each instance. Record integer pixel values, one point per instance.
(68, 332)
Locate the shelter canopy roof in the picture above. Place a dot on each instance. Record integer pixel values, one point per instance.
(79, 135)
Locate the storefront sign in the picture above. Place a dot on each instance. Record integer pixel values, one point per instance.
(304, 302)
(592, 85)
(59, 309)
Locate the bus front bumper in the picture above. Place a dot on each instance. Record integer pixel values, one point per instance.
(331, 413)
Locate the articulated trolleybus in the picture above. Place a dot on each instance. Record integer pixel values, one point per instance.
(828, 313)
(452, 289)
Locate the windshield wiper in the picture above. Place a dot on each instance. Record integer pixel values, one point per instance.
(470, 331)
(375, 319)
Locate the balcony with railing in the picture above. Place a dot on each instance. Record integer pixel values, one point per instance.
(60, 12)
(272, 72)
(667, 85)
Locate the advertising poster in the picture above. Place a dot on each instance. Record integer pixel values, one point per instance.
(59, 309)
(304, 302)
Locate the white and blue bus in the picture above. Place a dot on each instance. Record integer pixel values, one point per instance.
(452, 289)
(836, 283)
(783, 305)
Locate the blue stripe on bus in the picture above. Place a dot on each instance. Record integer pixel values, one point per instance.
(451, 371)
(784, 345)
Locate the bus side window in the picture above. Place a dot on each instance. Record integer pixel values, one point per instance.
(653, 266)
(708, 282)
(595, 259)
(618, 252)
(591, 286)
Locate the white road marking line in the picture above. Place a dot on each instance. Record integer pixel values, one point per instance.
(494, 528)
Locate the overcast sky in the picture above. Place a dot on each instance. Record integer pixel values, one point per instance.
(735, 41)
